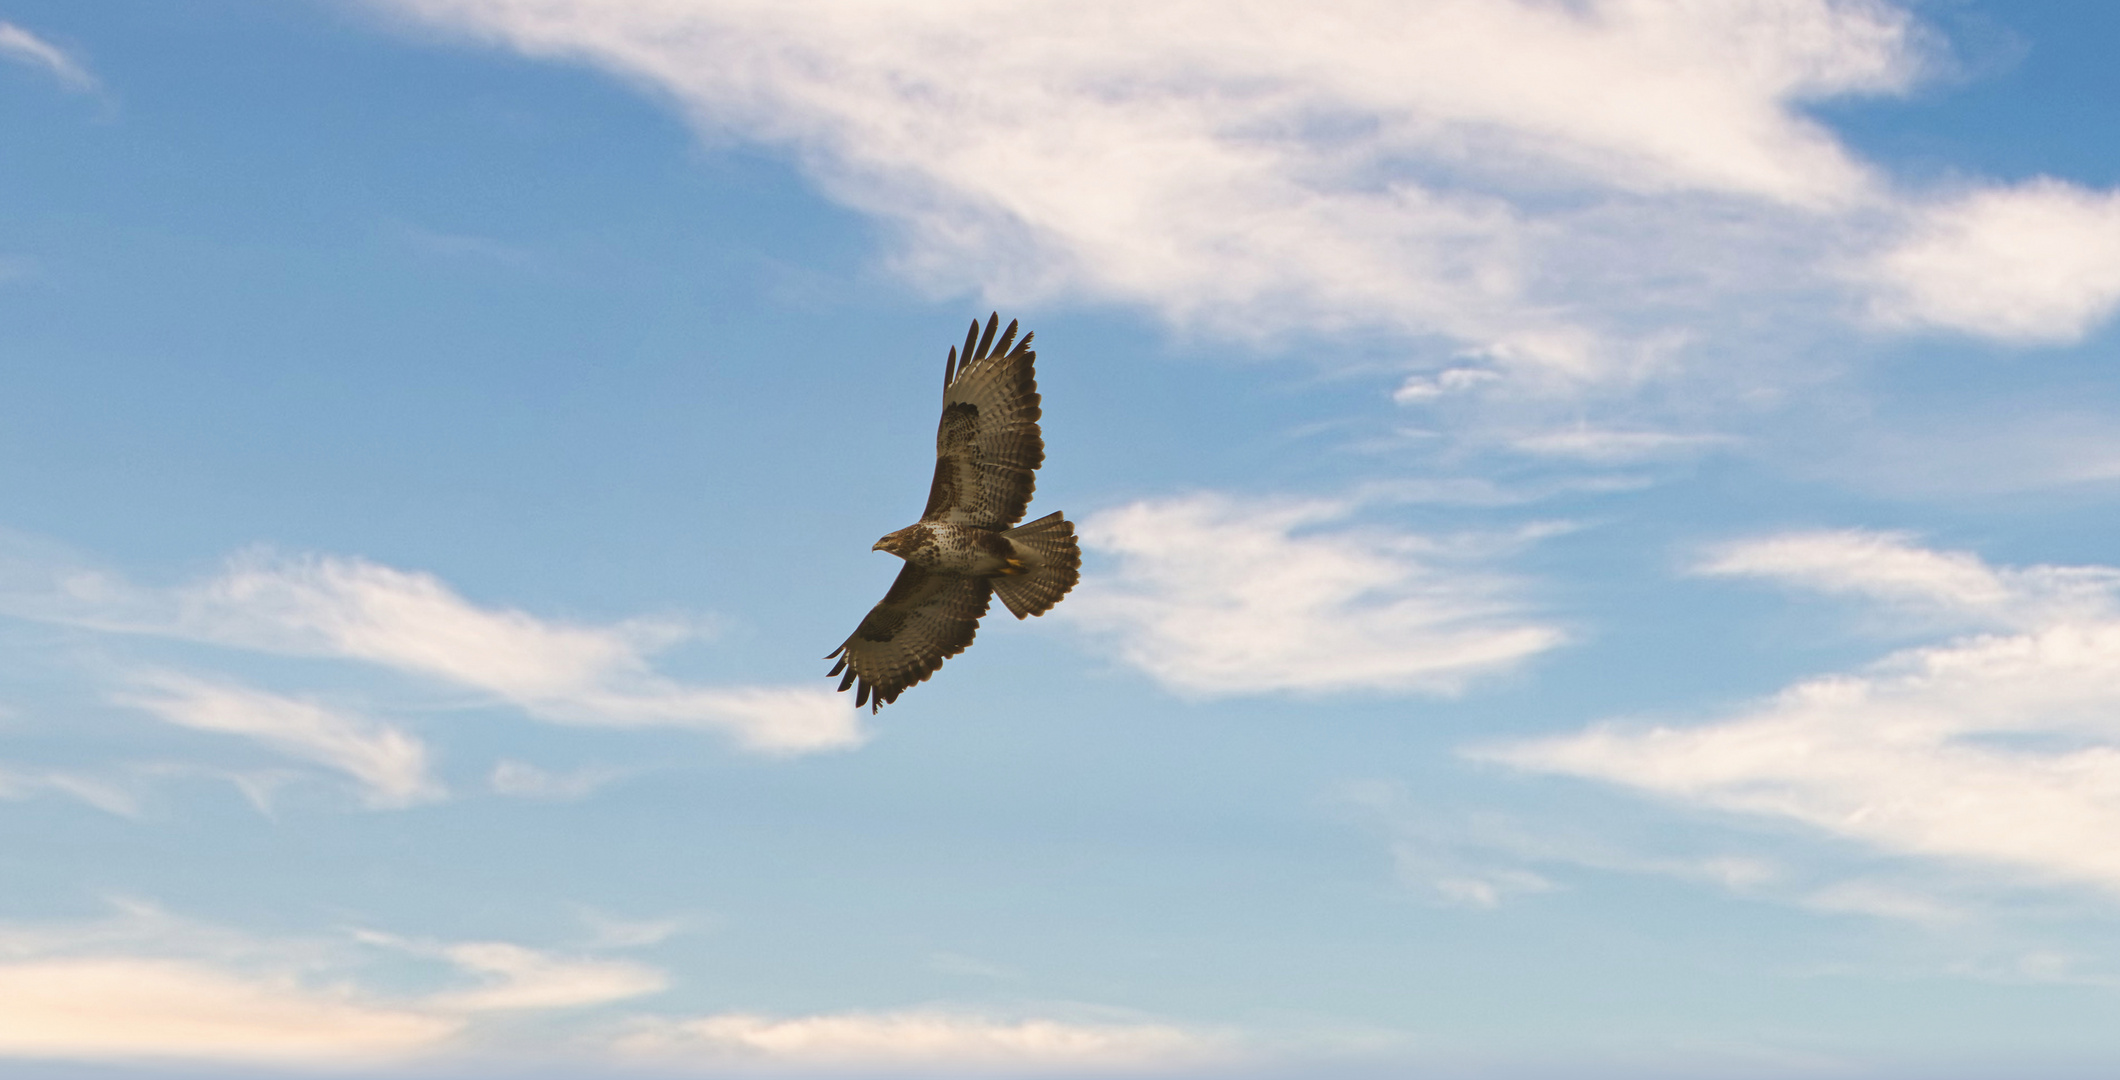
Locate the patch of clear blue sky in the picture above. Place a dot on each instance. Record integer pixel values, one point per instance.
(295, 280)
(2029, 82)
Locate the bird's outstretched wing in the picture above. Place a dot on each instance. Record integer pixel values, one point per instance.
(987, 448)
(924, 619)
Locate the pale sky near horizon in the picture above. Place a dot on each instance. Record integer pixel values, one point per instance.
(1602, 551)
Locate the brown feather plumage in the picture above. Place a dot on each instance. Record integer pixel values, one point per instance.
(988, 448)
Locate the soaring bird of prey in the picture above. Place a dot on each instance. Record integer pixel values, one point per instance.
(963, 549)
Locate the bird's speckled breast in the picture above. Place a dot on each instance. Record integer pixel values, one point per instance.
(960, 549)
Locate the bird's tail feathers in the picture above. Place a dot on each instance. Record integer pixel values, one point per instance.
(1055, 564)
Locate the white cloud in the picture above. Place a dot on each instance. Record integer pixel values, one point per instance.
(926, 1040)
(1215, 596)
(2037, 263)
(23, 47)
(1998, 749)
(414, 623)
(389, 762)
(1534, 179)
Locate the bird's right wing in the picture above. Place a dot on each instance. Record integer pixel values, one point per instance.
(988, 446)
(924, 619)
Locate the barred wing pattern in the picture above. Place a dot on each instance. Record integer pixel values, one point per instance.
(987, 448)
(925, 619)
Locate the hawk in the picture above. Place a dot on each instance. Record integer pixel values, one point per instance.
(964, 548)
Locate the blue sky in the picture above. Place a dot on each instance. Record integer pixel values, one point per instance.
(1598, 521)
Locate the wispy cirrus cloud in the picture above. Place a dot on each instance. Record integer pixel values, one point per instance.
(1215, 596)
(25, 48)
(413, 623)
(1995, 749)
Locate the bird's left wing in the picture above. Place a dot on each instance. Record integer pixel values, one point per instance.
(988, 447)
(924, 619)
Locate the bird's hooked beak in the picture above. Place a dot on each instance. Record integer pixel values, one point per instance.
(897, 543)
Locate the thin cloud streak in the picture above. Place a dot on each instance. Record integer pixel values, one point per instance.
(16, 783)
(23, 47)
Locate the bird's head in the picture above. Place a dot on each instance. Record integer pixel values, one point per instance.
(900, 543)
